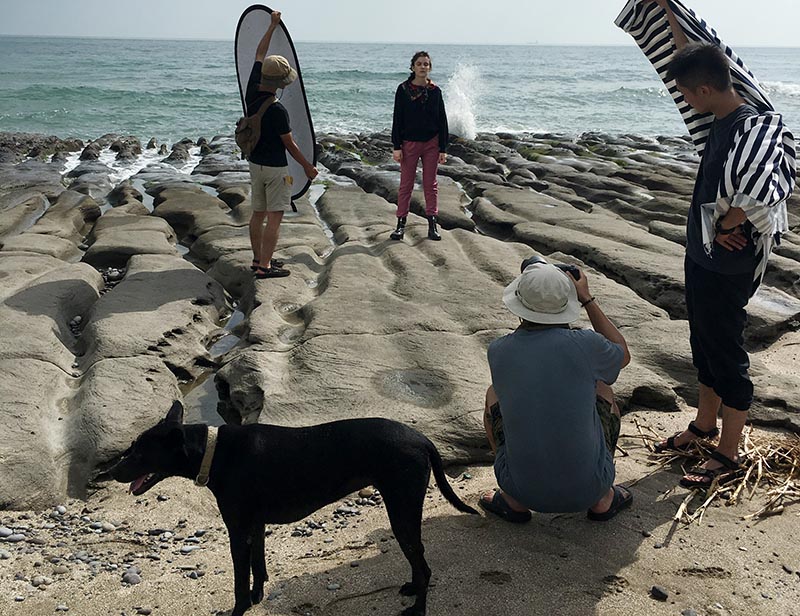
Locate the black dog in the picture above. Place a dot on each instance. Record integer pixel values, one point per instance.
(268, 474)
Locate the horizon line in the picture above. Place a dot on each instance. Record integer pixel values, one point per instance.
(334, 42)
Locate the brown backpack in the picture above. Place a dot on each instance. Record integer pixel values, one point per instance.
(248, 129)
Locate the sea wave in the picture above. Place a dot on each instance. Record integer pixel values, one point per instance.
(782, 88)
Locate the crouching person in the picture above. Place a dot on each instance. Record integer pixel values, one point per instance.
(550, 413)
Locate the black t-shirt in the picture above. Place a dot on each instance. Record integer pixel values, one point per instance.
(270, 150)
(709, 176)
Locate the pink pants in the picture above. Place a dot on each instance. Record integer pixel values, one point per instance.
(428, 151)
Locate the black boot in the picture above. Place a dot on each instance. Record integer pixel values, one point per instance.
(398, 233)
(433, 233)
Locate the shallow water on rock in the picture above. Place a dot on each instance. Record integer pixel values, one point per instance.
(419, 387)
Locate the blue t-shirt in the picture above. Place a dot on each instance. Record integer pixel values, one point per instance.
(555, 457)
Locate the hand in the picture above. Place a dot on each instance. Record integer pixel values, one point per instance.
(735, 240)
(397, 155)
(275, 19)
(442, 158)
(311, 172)
(581, 286)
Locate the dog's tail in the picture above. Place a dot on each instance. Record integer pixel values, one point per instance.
(444, 485)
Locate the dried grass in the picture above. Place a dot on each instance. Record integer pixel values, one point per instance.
(769, 469)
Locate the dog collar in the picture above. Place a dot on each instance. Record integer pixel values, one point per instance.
(205, 466)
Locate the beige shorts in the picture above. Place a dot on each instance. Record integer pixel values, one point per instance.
(270, 188)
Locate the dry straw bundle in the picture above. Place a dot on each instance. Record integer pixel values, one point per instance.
(769, 465)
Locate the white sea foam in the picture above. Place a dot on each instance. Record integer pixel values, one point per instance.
(461, 92)
(782, 88)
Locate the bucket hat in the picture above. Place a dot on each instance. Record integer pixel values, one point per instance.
(543, 294)
(276, 72)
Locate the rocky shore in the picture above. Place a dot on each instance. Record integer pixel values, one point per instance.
(126, 284)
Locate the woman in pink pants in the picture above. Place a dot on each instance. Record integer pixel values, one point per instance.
(419, 130)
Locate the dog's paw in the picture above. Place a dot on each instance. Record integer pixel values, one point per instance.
(413, 611)
(256, 595)
(408, 590)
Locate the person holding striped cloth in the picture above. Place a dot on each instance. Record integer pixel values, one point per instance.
(738, 210)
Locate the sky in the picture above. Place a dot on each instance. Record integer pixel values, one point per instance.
(545, 22)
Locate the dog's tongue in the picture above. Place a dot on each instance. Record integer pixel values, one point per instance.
(136, 484)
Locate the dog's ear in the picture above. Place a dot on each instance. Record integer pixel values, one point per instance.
(175, 413)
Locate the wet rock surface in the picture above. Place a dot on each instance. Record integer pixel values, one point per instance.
(113, 286)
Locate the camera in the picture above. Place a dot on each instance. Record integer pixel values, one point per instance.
(569, 269)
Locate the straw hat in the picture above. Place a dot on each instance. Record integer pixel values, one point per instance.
(276, 72)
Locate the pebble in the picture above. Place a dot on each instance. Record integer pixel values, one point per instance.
(333, 586)
(4, 555)
(144, 611)
(19, 598)
(659, 593)
(188, 549)
(41, 580)
(5, 532)
(788, 569)
(62, 608)
(646, 533)
(131, 578)
(366, 493)
(200, 532)
(61, 510)
(689, 612)
(16, 538)
(108, 527)
(60, 569)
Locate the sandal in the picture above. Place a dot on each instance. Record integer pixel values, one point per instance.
(271, 272)
(272, 263)
(729, 467)
(669, 444)
(622, 499)
(500, 507)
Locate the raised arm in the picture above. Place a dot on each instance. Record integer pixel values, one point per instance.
(600, 322)
(263, 45)
(678, 35)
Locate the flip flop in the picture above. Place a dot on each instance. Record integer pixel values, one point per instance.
(622, 499)
(500, 508)
(669, 444)
(729, 467)
(271, 272)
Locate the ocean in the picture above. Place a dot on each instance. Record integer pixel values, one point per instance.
(174, 89)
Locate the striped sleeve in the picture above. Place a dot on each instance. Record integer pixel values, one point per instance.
(759, 172)
(647, 23)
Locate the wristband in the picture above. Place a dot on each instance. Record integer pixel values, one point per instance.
(587, 302)
(721, 231)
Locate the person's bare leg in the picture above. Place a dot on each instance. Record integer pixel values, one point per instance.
(491, 399)
(706, 418)
(733, 421)
(269, 239)
(256, 228)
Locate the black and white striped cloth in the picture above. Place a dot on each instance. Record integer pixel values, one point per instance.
(760, 171)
